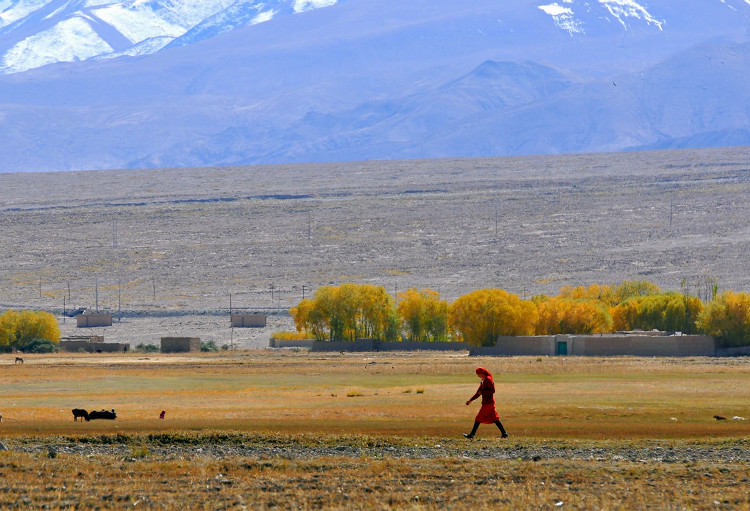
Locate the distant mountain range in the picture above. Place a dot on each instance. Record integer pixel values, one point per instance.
(220, 82)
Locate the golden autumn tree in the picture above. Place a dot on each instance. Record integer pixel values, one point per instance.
(18, 329)
(481, 316)
(610, 295)
(308, 318)
(596, 292)
(670, 311)
(568, 316)
(348, 312)
(633, 288)
(424, 316)
(727, 318)
(8, 327)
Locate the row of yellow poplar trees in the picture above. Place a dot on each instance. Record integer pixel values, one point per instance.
(351, 311)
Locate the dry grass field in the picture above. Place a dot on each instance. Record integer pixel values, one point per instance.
(261, 429)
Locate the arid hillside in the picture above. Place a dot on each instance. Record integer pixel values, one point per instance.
(180, 242)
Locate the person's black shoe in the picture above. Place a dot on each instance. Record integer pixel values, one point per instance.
(505, 435)
(469, 436)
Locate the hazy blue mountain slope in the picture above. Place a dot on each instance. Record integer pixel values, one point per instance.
(366, 79)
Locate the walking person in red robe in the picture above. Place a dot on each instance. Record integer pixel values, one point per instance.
(487, 413)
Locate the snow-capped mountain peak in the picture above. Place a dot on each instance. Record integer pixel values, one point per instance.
(34, 33)
(567, 14)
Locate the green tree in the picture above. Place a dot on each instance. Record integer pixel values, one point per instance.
(40, 346)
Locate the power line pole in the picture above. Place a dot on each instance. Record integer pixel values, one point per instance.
(495, 219)
(671, 207)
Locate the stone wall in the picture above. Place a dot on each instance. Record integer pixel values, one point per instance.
(95, 319)
(376, 345)
(512, 346)
(422, 346)
(643, 345)
(655, 344)
(244, 320)
(180, 344)
(86, 338)
(290, 343)
(94, 347)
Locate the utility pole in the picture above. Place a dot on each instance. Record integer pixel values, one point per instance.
(231, 325)
(671, 207)
(495, 219)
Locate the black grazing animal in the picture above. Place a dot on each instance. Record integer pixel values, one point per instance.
(19, 360)
(104, 414)
(719, 418)
(79, 412)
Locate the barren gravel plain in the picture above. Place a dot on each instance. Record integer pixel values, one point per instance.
(167, 248)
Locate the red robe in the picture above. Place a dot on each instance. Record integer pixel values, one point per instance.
(487, 413)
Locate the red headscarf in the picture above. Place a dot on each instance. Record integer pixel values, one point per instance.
(487, 377)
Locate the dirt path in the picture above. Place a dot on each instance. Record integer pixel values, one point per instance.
(735, 452)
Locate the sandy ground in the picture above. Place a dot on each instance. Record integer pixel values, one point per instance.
(173, 248)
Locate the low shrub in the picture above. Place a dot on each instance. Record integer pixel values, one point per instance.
(285, 335)
(147, 348)
(40, 346)
(209, 346)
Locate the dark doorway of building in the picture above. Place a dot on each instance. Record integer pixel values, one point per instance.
(562, 348)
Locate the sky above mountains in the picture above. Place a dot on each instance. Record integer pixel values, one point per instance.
(219, 82)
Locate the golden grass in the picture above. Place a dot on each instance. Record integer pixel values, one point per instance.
(299, 400)
(580, 397)
(66, 481)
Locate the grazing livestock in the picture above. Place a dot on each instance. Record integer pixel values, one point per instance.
(104, 414)
(161, 415)
(79, 412)
(19, 360)
(719, 418)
